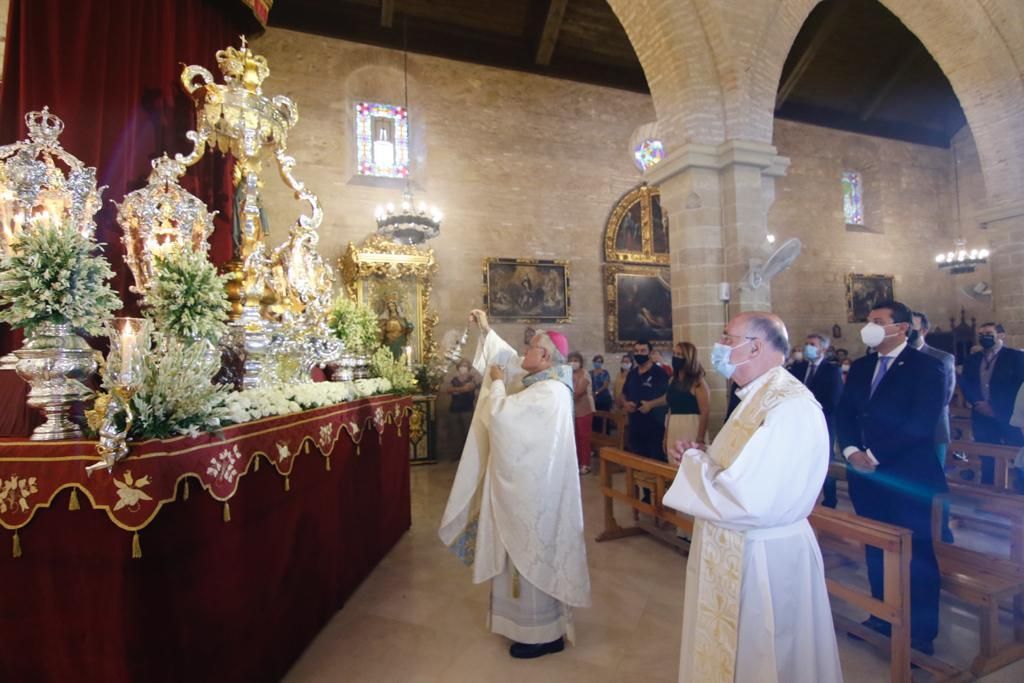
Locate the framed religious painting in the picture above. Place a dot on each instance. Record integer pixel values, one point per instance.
(638, 305)
(637, 229)
(526, 290)
(864, 292)
(395, 281)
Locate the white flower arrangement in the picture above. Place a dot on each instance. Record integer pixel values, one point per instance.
(254, 404)
(56, 275)
(354, 324)
(187, 297)
(396, 371)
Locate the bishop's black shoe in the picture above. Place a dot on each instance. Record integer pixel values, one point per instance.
(534, 650)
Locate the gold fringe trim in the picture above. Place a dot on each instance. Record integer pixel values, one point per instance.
(184, 494)
(73, 503)
(327, 464)
(136, 547)
(287, 483)
(256, 465)
(16, 546)
(227, 511)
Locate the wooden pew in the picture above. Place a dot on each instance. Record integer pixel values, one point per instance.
(611, 430)
(985, 580)
(963, 463)
(979, 579)
(893, 541)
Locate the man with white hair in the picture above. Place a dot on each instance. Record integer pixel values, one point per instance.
(756, 607)
(515, 513)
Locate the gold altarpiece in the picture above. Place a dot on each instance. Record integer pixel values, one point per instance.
(395, 281)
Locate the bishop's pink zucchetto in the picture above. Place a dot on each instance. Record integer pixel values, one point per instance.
(560, 342)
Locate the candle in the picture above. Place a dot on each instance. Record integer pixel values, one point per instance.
(128, 343)
(408, 356)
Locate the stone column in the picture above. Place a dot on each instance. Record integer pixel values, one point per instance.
(1005, 226)
(717, 199)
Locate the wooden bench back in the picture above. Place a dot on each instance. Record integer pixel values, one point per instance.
(609, 429)
(963, 463)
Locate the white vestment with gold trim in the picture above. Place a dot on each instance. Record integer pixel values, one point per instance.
(516, 500)
(756, 608)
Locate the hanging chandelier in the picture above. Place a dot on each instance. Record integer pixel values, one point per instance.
(961, 260)
(410, 222)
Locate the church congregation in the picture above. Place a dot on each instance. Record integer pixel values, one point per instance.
(499, 340)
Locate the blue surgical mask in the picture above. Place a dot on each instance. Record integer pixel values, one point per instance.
(720, 354)
(810, 352)
(598, 364)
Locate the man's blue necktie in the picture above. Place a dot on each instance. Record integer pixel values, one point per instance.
(883, 367)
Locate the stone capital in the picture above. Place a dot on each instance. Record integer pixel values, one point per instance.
(717, 158)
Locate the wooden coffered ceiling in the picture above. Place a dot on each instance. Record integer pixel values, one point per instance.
(853, 66)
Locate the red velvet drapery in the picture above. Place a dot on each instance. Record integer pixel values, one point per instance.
(109, 69)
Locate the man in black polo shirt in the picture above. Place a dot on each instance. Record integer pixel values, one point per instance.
(645, 382)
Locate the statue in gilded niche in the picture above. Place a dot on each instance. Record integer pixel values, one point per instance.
(394, 327)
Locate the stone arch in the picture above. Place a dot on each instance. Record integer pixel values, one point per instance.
(987, 78)
(680, 67)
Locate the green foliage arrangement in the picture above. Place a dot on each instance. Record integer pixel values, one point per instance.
(55, 275)
(186, 297)
(383, 364)
(354, 324)
(177, 396)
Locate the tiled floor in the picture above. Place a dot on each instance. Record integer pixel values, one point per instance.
(419, 618)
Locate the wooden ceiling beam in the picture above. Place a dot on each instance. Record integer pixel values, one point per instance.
(895, 74)
(549, 35)
(820, 39)
(387, 13)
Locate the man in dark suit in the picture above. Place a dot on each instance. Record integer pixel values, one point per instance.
(886, 421)
(823, 377)
(990, 382)
(917, 336)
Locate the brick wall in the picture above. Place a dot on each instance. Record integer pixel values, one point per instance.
(910, 214)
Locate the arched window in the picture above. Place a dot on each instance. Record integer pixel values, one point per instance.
(382, 140)
(853, 198)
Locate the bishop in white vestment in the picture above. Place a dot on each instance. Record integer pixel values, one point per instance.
(756, 608)
(515, 513)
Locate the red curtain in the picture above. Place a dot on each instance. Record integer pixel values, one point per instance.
(109, 69)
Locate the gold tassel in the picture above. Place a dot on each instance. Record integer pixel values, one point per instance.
(359, 450)
(306, 446)
(287, 483)
(184, 494)
(256, 465)
(227, 511)
(515, 583)
(16, 546)
(136, 547)
(327, 464)
(73, 503)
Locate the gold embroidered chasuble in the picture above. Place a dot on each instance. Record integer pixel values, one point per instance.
(719, 549)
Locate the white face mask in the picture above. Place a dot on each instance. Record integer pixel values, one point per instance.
(873, 334)
(575, 365)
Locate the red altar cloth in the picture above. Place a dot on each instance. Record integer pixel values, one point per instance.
(218, 594)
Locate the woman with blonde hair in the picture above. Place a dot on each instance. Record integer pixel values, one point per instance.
(584, 410)
(688, 397)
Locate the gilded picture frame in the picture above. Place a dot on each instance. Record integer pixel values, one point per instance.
(637, 229)
(527, 290)
(864, 292)
(396, 282)
(638, 306)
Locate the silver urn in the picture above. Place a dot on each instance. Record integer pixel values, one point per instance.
(56, 362)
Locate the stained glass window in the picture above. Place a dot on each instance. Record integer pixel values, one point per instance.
(853, 199)
(648, 153)
(382, 140)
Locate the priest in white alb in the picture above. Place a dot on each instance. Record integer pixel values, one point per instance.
(514, 513)
(756, 608)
